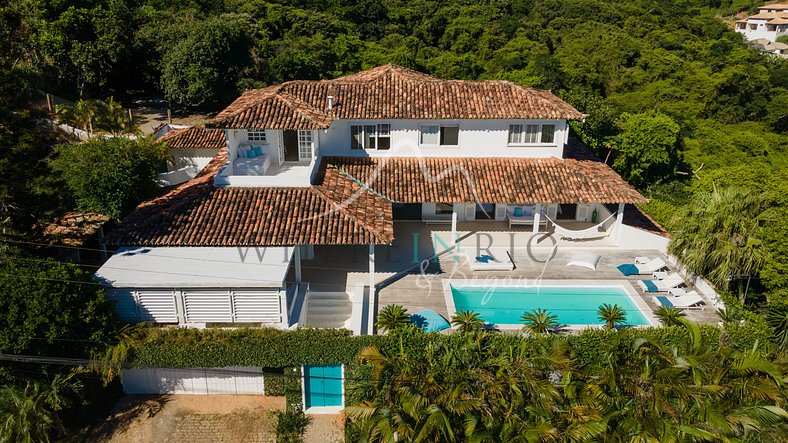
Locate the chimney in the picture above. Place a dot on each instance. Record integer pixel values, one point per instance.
(330, 102)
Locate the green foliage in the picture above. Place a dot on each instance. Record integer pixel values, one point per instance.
(110, 176)
(777, 318)
(539, 321)
(204, 67)
(393, 318)
(669, 315)
(718, 235)
(647, 149)
(97, 115)
(290, 426)
(612, 315)
(467, 321)
(45, 302)
(25, 415)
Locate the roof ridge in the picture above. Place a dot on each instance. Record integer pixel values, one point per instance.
(294, 102)
(346, 214)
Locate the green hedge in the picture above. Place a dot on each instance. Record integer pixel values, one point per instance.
(271, 348)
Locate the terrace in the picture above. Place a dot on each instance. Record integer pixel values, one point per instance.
(398, 268)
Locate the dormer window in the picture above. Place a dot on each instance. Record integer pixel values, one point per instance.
(439, 135)
(256, 136)
(374, 136)
(531, 134)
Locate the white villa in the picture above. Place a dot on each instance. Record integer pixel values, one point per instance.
(770, 22)
(326, 194)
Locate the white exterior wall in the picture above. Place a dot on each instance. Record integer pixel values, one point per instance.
(761, 30)
(477, 138)
(236, 137)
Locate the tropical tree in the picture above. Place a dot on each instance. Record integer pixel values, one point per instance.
(25, 415)
(467, 321)
(718, 234)
(647, 147)
(612, 315)
(669, 315)
(110, 176)
(114, 119)
(393, 318)
(777, 318)
(539, 321)
(82, 114)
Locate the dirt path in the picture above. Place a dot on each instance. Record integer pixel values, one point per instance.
(190, 418)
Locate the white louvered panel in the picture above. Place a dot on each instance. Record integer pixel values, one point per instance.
(125, 304)
(157, 306)
(257, 306)
(207, 306)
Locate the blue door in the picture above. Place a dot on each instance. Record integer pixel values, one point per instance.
(322, 385)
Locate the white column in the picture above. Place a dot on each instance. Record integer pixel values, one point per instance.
(297, 258)
(537, 217)
(619, 222)
(454, 225)
(372, 294)
(372, 266)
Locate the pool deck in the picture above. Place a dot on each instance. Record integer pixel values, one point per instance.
(341, 267)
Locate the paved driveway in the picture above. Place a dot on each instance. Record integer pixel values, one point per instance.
(190, 418)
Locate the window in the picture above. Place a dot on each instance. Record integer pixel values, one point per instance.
(256, 136)
(444, 208)
(370, 136)
(304, 145)
(440, 135)
(548, 133)
(520, 134)
(531, 134)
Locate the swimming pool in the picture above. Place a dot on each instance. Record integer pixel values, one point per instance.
(573, 304)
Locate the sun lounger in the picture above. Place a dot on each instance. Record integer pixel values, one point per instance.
(648, 268)
(664, 285)
(689, 300)
(497, 260)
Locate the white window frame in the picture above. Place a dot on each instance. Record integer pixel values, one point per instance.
(306, 143)
(440, 127)
(524, 134)
(257, 136)
(376, 136)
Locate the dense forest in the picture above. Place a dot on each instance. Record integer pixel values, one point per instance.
(676, 102)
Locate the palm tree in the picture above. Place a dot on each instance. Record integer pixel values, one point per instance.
(611, 315)
(24, 415)
(114, 119)
(718, 234)
(84, 112)
(393, 317)
(467, 321)
(729, 314)
(669, 315)
(777, 318)
(539, 321)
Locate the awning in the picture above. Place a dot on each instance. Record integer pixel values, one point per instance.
(178, 267)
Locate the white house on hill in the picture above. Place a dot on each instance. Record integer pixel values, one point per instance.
(769, 23)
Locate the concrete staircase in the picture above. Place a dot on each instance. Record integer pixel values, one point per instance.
(328, 310)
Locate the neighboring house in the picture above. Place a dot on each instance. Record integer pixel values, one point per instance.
(776, 49)
(770, 22)
(190, 148)
(336, 167)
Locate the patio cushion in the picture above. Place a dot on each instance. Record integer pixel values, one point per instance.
(518, 211)
(584, 259)
(650, 286)
(664, 301)
(628, 269)
(429, 321)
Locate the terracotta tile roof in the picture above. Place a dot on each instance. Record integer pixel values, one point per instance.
(387, 92)
(198, 214)
(194, 137)
(74, 228)
(484, 180)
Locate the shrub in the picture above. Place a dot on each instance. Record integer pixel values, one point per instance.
(290, 426)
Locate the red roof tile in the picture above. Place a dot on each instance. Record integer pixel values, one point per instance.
(387, 92)
(484, 180)
(194, 137)
(198, 214)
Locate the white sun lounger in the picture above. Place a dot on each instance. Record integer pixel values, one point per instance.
(664, 285)
(651, 266)
(501, 261)
(689, 300)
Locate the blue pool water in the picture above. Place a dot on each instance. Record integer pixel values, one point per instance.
(574, 305)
